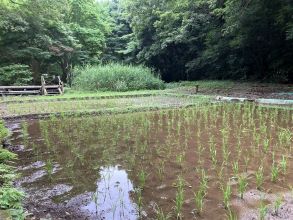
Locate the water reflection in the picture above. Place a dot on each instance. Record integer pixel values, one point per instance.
(112, 198)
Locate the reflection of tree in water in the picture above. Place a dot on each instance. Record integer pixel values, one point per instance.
(112, 196)
(81, 146)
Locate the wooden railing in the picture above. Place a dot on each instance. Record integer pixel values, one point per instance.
(43, 89)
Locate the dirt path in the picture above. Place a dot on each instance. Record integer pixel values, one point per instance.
(246, 90)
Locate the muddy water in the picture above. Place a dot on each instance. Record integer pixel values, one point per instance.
(94, 167)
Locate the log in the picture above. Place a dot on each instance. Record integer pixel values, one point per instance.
(20, 92)
(19, 87)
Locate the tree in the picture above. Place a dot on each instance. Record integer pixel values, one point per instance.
(182, 39)
(117, 48)
(218, 39)
(72, 32)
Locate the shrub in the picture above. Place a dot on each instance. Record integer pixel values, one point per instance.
(6, 155)
(3, 132)
(116, 77)
(10, 198)
(15, 74)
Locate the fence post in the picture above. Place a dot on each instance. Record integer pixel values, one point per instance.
(61, 86)
(44, 91)
(196, 88)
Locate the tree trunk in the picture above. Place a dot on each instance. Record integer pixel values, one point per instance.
(35, 66)
(66, 70)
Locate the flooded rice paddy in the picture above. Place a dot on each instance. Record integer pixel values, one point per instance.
(230, 161)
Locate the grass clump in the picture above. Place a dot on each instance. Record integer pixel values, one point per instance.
(6, 156)
(116, 77)
(207, 84)
(3, 132)
(10, 197)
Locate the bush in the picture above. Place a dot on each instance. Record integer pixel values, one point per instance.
(116, 77)
(15, 74)
(10, 198)
(6, 156)
(3, 132)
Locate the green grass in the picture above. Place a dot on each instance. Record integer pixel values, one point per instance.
(116, 77)
(203, 84)
(77, 95)
(3, 131)
(110, 104)
(10, 197)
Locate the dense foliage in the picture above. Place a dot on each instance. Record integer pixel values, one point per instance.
(52, 36)
(15, 74)
(116, 77)
(183, 39)
(195, 39)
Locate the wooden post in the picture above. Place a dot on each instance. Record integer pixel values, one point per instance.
(43, 89)
(196, 88)
(61, 87)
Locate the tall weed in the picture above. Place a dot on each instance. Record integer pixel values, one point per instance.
(116, 77)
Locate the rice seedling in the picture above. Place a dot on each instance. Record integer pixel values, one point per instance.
(285, 137)
(235, 167)
(179, 198)
(200, 194)
(213, 154)
(283, 164)
(259, 175)
(226, 155)
(263, 129)
(221, 173)
(266, 145)
(160, 215)
(274, 170)
(203, 181)
(138, 193)
(277, 205)
(199, 200)
(49, 167)
(200, 150)
(226, 190)
(263, 209)
(242, 185)
(161, 169)
(180, 159)
(246, 162)
(231, 215)
(142, 176)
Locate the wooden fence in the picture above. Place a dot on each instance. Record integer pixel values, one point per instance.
(43, 89)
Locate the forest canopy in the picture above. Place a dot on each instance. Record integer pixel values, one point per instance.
(180, 39)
